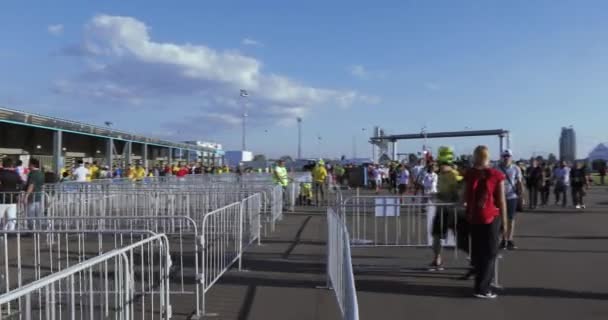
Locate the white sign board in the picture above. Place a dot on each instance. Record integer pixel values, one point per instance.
(387, 207)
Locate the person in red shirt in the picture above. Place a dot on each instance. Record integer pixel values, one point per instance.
(487, 214)
(182, 172)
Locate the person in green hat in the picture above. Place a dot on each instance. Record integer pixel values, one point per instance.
(448, 191)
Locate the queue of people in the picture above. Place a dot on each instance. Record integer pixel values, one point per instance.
(86, 172)
(492, 195)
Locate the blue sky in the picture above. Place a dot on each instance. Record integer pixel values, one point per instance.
(175, 69)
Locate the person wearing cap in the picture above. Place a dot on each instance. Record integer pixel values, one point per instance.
(513, 191)
(319, 176)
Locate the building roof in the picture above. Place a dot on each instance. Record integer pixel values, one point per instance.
(52, 123)
(599, 152)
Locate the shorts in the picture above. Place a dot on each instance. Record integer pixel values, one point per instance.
(402, 188)
(443, 221)
(511, 208)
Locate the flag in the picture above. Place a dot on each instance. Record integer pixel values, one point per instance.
(244, 93)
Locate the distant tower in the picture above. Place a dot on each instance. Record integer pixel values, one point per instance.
(567, 145)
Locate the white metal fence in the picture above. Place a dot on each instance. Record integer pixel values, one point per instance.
(121, 284)
(221, 243)
(340, 275)
(210, 220)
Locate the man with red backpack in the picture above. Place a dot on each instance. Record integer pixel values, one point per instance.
(487, 214)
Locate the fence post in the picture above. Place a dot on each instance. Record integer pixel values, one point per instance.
(241, 235)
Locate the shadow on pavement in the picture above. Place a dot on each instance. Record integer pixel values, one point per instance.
(386, 286)
(564, 237)
(562, 250)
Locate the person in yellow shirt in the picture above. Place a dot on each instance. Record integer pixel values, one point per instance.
(319, 176)
(137, 174)
(279, 174)
(94, 171)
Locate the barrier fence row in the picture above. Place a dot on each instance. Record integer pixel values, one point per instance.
(340, 276)
(209, 226)
(120, 284)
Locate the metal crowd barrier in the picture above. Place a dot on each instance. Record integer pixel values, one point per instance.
(397, 221)
(340, 275)
(222, 245)
(120, 284)
(212, 223)
(406, 221)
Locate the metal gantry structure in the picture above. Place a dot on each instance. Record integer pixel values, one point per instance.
(380, 140)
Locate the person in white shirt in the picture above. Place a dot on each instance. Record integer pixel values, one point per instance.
(403, 179)
(81, 173)
(562, 182)
(417, 176)
(429, 182)
(21, 171)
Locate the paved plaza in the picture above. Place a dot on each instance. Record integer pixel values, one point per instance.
(559, 272)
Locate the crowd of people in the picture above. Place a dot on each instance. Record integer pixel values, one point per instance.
(537, 181)
(491, 194)
(85, 172)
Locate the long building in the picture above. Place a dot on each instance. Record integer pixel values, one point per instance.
(58, 142)
(567, 145)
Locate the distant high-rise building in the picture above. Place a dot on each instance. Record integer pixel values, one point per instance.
(567, 145)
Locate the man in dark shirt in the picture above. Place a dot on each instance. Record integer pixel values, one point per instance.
(535, 183)
(35, 181)
(10, 191)
(578, 183)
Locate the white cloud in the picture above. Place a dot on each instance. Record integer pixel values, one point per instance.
(55, 29)
(358, 71)
(251, 42)
(126, 64)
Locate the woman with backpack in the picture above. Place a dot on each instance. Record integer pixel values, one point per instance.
(487, 214)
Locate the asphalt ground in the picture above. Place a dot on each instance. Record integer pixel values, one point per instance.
(558, 272)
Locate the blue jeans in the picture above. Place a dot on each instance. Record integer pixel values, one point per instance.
(34, 210)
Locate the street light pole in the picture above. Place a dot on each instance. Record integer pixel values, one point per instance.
(244, 95)
(299, 138)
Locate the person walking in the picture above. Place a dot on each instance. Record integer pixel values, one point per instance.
(578, 183)
(81, 173)
(561, 176)
(417, 174)
(10, 187)
(319, 177)
(547, 181)
(403, 179)
(429, 182)
(486, 211)
(33, 192)
(21, 170)
(535, 182)
(448, 191)
(513, 192)
(602, 172)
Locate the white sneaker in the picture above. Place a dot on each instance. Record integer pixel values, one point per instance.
(489, 295)
(578, 206)
(583, 207)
